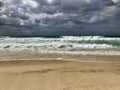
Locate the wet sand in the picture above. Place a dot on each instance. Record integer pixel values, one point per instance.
(59, 72)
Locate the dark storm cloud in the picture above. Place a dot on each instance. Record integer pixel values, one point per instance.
(1, 4)
(58, 13)
(89, 11)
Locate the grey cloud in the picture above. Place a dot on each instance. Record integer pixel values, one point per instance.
(58, 13)
(1, 4)
(85, 10)
(10, 20)
(46, 2)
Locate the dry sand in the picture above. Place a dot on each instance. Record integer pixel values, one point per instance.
(60, 75)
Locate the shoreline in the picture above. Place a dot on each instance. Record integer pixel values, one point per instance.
(21, 56)
(33, 71)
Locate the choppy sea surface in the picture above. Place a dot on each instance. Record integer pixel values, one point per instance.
(63, 44)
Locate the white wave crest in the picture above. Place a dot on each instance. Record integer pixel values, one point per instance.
(63, 44)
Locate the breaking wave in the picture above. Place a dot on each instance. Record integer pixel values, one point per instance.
(63, 44)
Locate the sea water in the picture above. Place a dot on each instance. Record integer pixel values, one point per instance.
(63, 44)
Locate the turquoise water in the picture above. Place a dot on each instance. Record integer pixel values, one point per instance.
(63, 44)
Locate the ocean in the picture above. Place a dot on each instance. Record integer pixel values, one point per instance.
(63, 44)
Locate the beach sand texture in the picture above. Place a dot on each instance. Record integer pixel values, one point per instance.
(59, 75)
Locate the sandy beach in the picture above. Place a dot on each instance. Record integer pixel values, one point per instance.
(57, 74)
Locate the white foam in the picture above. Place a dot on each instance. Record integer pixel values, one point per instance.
(66, 44)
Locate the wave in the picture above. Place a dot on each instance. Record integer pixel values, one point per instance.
(61, 44)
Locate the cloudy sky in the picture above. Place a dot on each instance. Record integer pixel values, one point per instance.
(60, 17)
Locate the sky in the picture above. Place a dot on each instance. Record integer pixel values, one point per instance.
(59, 17)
